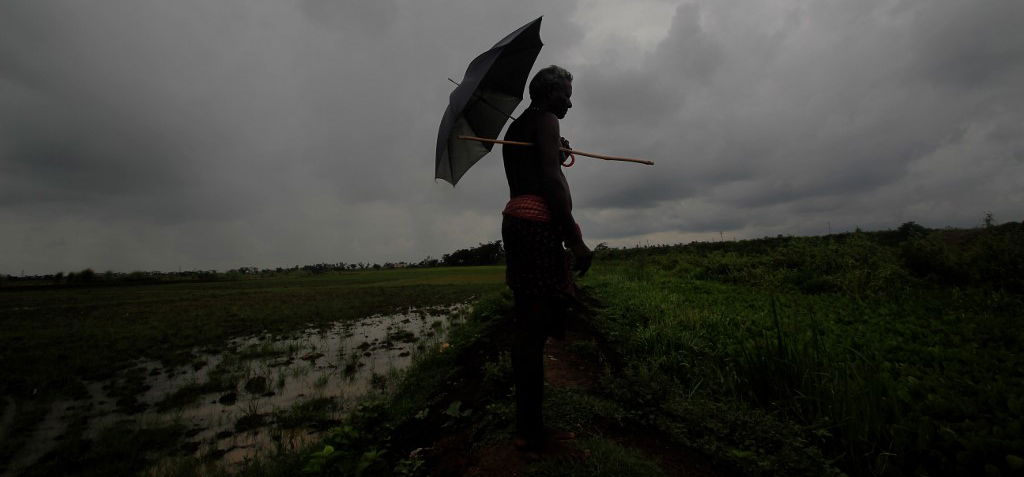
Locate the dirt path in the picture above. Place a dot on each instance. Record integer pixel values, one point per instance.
(567, 370)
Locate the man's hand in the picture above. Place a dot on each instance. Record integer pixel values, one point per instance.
(565, 155)
(581, 258)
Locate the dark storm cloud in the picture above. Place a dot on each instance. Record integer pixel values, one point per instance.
(150, 134)
(965, 46)
(364, 17)
(796, 110)
(156, 134)
(114, 111)
(618, 223)
(652, 191)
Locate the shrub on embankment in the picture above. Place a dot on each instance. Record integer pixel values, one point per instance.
(896, 352)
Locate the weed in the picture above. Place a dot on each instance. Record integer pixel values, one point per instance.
(306, 413)
(378, 381)
(343, 453)
(251, 417)
(604, 459)
(322, 380)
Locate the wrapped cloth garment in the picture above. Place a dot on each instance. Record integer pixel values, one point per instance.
(537, 265)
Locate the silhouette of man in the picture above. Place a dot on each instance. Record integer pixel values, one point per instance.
(537, 222)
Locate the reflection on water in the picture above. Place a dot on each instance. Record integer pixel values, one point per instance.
(252, 395)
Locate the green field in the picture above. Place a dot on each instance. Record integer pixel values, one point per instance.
(890, 353)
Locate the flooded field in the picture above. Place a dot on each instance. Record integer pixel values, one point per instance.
(256, 394)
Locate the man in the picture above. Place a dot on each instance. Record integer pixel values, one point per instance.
(537, 222)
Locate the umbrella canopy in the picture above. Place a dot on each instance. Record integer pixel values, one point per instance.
(490, 90)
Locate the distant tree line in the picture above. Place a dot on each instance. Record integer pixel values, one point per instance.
(490, 253)
(991, 254)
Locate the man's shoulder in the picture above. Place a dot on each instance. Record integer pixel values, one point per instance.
(529, 124)
(522, 128)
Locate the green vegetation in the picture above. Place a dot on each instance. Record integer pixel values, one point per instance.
(887, 353)
(605, 459)
(894, 353)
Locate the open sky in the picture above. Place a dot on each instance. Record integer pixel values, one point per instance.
(198, 134)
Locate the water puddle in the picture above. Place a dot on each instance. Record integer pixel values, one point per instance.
(258, 393)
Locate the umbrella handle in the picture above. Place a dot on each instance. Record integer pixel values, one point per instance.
(563, 149)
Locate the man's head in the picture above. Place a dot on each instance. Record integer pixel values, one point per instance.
(551, 89)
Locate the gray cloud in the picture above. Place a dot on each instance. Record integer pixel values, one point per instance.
(152, 135)
(149, 134)
(794, 112)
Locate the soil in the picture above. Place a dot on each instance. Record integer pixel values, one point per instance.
(456, 454)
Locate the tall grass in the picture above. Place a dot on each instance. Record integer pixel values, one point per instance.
(890, 371)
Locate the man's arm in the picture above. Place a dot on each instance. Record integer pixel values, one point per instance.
(555, 189)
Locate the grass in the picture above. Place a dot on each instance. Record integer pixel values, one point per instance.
(603, 459)
(841, 343)
(309, 412)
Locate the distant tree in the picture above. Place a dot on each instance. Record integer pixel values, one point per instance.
(86, 275)
(483, 254)
(911, 230)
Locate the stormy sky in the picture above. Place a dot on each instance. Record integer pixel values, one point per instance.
(197, 134)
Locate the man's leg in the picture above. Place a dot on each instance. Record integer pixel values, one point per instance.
(528, 368)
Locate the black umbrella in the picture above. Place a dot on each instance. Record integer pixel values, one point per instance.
(490, 90)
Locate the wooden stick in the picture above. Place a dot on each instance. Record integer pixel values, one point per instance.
(570, 151)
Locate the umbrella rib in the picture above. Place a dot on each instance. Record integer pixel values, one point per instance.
(483, 100)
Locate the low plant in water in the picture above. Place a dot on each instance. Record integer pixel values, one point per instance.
(251, 417)
(343, 453)
(322, 380)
